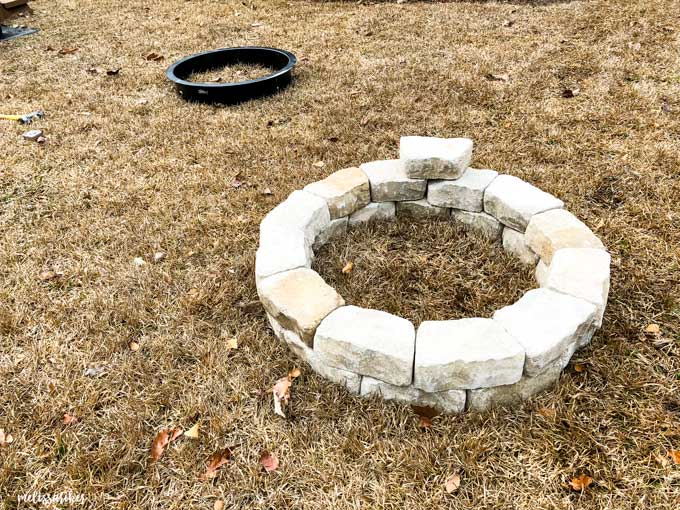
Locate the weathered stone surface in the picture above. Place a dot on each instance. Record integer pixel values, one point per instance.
(466, 193)
(515, 243)
(513, 394)
(381, 211)
(336, 228)
(368, 342)
(435, 158)
(389, 182)
(513, 202)
(547, 324)
(350, 380)
(300, 211)
(299, 300)
(421, 209)
(282, 253)
(482, 223)
(552, 230)
(464, 354)
(345, 191)
(541, 273)
(582, 273)
(452, 401)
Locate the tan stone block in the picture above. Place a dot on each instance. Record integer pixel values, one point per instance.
(345, 191)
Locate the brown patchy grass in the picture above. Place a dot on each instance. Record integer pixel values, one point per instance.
(122, 178)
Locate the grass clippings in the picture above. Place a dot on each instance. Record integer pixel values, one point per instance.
(129, 170)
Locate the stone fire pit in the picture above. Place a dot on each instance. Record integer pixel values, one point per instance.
(471, 363)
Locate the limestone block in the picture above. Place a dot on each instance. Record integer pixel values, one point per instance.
(380, 211)
(389, 182)
(345, 191)
(427, 157)
(547, 324)
(541, 273)
(582, 273)
(300, 211)
(513, 202)
(368, 342)
(552, 230)
(421, 210)
(336, 228)
(466, 193)
(283, 252)
(299, 300)
(452, 401)
(515, 243)
(482, 223)
(464, 354)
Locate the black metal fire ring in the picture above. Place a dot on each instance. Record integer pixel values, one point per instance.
(231, 93)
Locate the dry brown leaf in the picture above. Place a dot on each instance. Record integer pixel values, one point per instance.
(5, 438)
(113, 72)
(46, 276)
(580, 482)
(269, 461)
(219, 504)
(154, 56)
(232, 343)
(497, 77)
(452, 483)
(69, 419)
(579, 367)
(548, 412)
(653, 331)
(425, 423)
(348, 268)
(193, 432)
(159, 443)
(295, 373)
(133, 346)
(568, 93)
(175, 433)
(675, 456)
(68, 50)
(281, 392)
(216, 461)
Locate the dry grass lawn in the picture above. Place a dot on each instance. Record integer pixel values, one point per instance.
(129, 169)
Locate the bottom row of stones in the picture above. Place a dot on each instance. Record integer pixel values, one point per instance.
(472, 363)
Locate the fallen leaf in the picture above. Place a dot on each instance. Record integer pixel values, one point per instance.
(216, 461)
(452, 483)
(281, 392)
(46, 276)
(175, 433)
(294, 374)
(159, 443)
(269, 461)
(663, 459)
(425, 423)
(579, 367)
(113, 72)
(675, 456)
(69, 419)
(348, 268)
(68, 50)
(548, 412)
(153, 56)
(232, 343)
(219, 504)
(133, 346)
(193, 431)
(5, 439)
(569, 93)
(159, 256)
(580, 482)
(653, 331)
(497, 77)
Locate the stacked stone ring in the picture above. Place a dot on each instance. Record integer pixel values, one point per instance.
(450, 365)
